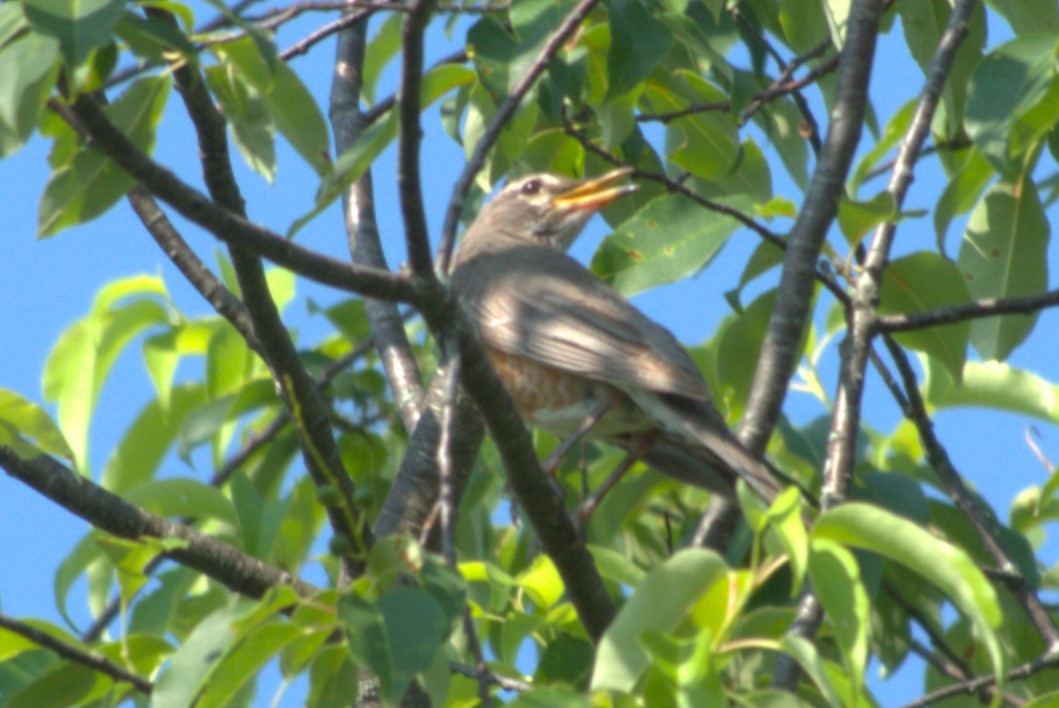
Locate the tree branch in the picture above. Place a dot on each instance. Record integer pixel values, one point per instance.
(108, 512)
(92, 660)
(538, 495)
(410, 134)
(780, 348)
(989, 307)
(984, 523)
(191, 266)
(838, 467)
(299, 392)
(362, 231)
(226, 226)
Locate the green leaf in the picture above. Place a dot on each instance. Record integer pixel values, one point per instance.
(162, 353)
(1009, 81)
(369, 644)
(945, 565)
(857, 218)
(1029, 16)
(213, 420)
(248, 114)
(352, 163)
(669, 239)
(962, 190)
(23, 421)
(660, 602)
(131, 558)
(553, 151)
(330, 677)
(415, 624)
(382, 48)
(293, 108)
(922, 282)
(85, 353)
(146, 442)
(30, 66)
(704, 143)
(782, 122)
(736, 346)
(836, 580)
(66, 684)
(1004, 254)
(184, 498)
(785, 520)
(993, 385)
(805, 653)
(79, 25)
(91, 183)
(638, 44)
(924, 23)
(243, 663)
(154, 39)
(194, 663)
(892, 135)
(542, 582)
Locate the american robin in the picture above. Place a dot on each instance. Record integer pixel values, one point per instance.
(576, 356)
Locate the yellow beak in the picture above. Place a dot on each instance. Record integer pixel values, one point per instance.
(596, 193)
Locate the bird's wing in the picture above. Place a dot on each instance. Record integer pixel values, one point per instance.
(543, 305)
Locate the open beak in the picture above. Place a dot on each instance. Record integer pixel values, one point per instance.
(595, 194)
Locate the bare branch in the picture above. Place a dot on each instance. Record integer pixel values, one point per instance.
(301, 396)
(76, 654)
(197, 273)
(229, 227)
(989, 307)
(780, 350)
(409, 185)
(362, 230)
(984, 523)
(108, 512)
(972, 686)
(538, 495)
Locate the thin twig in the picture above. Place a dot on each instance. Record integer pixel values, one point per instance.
(973, 686)
(989, 307)
(92, 660)
(409, 137)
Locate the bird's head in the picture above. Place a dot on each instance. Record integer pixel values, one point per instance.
(544, 209)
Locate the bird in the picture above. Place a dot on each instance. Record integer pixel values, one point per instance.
(577, 357)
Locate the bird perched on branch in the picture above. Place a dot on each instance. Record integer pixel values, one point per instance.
(578, 359)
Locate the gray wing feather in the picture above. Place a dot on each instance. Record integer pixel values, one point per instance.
(570, 320)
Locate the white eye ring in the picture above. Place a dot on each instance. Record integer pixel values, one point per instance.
(531, 187)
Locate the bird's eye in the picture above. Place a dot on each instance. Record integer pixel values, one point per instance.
(531, 187)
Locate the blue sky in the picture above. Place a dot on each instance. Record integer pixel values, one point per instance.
(48, 284)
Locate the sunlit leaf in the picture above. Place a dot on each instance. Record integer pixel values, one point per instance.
(923, 282)
(1004, 254)
(92, 183)
(659, 602)
(79, 25)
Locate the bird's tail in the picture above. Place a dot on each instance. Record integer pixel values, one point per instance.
(696, 447)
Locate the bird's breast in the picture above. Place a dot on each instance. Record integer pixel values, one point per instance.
(558, 402)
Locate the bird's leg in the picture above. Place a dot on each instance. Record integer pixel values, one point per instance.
(589, 505)
(551, 464)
